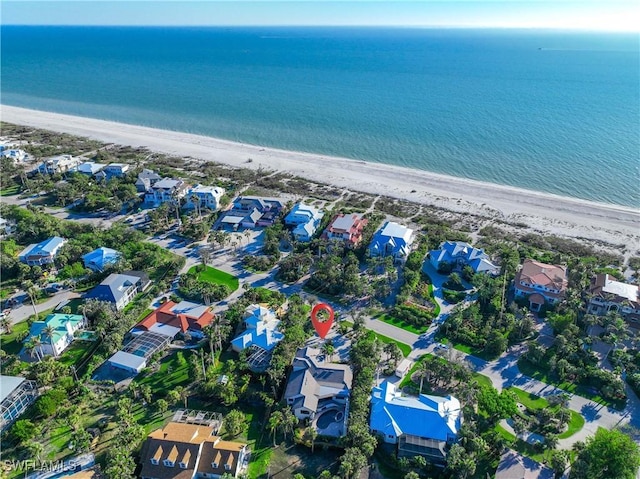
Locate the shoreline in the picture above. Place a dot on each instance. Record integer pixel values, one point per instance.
(543, 212)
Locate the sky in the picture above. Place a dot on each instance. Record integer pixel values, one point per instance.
(615, 15)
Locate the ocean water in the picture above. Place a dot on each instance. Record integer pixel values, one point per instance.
(550, 111)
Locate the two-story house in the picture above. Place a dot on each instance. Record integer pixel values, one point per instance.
(458, 254)
(59, 164)
(120, 289)
(541, 283)
(42, 253)
(608, 294)
(346, 228)
(166, 190)
(393, 240)
(201, 196)
(305, 220)
(55, 333)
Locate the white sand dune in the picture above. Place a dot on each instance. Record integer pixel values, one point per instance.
(541, 211)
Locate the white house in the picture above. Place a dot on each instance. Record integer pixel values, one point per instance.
(120, 289)
(460, 254)
(18, 156)
(393, 240)
(607, 294)
(90, 168)
(55, 332)
(166, 190)
(305, 219)
(261, 330)
(115, 170)
(98, 259)
(59, 164)
(207, 197)
(423, 425)
(42, 253)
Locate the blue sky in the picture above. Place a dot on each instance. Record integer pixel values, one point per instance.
(573, 14)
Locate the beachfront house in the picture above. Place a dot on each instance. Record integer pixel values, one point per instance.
(59, 164)
(424, 425)
(540, 283)
(201, 196)
(607, 294)
(55, 333)
(115, 170)
(146, 179)
(346, 228)
(120, 289)
(250, 212)
(90, 168)
(15, 155)
(315, 387)
(182, 450)
(166, 190)
(392, 240)
(260, 336)
(98, 259)
(457, 254)
(42, 253)
(16, 395)
(304, 220)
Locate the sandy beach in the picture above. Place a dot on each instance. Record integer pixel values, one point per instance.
(543, 212)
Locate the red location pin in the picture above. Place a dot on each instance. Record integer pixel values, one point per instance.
(322, 318)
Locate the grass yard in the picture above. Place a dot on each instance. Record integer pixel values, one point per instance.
(215, 276)
(75, 352)
(173, 372)
(11, 190)
(405, 348)
(398, 323)
(10, 342)
(543, 375)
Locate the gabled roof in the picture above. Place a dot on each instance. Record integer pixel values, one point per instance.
(451, 251)
(516, 466)
(114, 287)
(345, 223)
(44, 248)
(207, 190)
(300, 210)
(606, 285)
(394, 234)
(90, 167)
(431, 417)
(262, 329)
(167, 184)
(58, 323)
(312, 380)
(149, 175)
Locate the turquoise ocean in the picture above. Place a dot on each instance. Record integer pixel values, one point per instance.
(550, 111)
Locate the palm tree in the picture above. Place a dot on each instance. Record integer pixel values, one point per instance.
(32, 349)
(32, 292)
(48, 333)
(6, 324)
(328, 349)
(275, 421)
(424, 370)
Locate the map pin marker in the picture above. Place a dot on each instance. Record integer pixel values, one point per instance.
(322, 318)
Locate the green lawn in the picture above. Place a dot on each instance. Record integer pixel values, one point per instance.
(75, 352)
(405, 348)
(173, 372)
(10, 343)
(11, 190)
(400, 324)
(215, 276)
(543, 375)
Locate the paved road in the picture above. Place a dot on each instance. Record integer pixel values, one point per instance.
(24, 310)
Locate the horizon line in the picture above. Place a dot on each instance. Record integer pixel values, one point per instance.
(432, 26)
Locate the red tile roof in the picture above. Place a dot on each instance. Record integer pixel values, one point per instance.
(164, 315)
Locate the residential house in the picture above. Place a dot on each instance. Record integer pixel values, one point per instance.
(146, 179)
(166, 190)
(55, 332)
(115, 170)
(251, 212)
(513, 465)
(607, 294)
(424, 425)
(260, 337)
(186, 451)
(42, 253)
(6, 227)
(183, 317)
(16, 395)
(16, 155)
(90, 168)
(59, 164)
(346, 228)
(460, 254)
(135, 353)
(98, 259)
(207, 197)
(120, 289)
(393, 240)
(305, 220)
(316, 386)
(541, 283)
